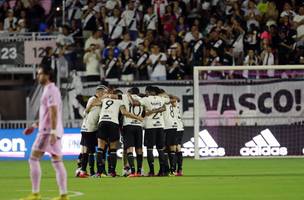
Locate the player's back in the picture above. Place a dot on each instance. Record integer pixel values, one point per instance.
(170, 117)
(110, 110)
(90, 121)
(151, 103)
(50, 97)
(136, 110)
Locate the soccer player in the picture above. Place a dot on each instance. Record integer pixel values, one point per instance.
(180, 134)
(49, 136)
(109, 133)
(89, 131)
(154, 127)
(170, 120)
(133, 133)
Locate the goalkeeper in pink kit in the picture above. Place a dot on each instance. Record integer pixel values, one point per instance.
(49, 136)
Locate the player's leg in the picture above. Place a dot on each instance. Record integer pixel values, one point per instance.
(61, 176)
(128, 132)
(179, 153)
(171, 142)
(81, 152)
(92, 151)
(160, 145)
(35, 174)
(138, 148)
(38, 149)
(101, 149)
(85, 156)
(114, 140)
(149, 142)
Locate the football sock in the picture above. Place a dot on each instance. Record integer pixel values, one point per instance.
(79, 160)
(35, 171)
(161, 158)
(112, 160)
(172, 159)
(91, 163)
(61, 176)
(100, 161)
(84, 162)
(150, 159)
(139, 159)
(131, 162)
(179, 156)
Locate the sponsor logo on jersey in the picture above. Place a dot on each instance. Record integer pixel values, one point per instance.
(207, 146)
(13, 148)
(264, 144)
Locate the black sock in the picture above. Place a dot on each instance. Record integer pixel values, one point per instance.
(112, 160)
(79, 160)
(100, 161)
(172, 159)
(139, 159)
(91, 163)
(84, 161)
(179, 160)
(162, 162)
(150, 158)
(131, 162)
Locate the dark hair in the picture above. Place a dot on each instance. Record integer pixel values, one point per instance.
(133, 90)
(48, 71)
(149, 88)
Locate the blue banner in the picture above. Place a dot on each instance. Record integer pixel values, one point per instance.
(16, 146)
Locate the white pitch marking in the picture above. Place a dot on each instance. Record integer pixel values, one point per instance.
(71, 194)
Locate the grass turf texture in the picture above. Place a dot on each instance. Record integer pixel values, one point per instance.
(252, 179)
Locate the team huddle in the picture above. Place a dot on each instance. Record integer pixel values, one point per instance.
(111, 115)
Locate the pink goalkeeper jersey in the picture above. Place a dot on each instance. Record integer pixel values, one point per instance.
(50, 97)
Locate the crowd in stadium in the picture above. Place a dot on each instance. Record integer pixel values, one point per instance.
(165, 39)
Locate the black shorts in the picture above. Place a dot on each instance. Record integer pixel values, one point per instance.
(82, 140)
(154, 136)
(171, 137)
(132, 136)
(89, 140)
(179, 137)
(108, 131)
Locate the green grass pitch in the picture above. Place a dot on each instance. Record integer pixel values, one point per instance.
(217, 179)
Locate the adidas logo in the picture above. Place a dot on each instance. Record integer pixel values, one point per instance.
(264, 144)
(207, 146)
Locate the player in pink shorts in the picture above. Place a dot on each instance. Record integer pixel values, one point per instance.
(49, 136)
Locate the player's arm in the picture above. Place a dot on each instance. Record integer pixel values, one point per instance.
(30, 130)
(133, 101)
(158, 110)
(129, 115)
(53, 117)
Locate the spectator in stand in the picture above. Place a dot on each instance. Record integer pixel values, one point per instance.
(157, 64)
(150, 20)
(251, 59)
(65, 43)
(131, 18)
(74, 10)
(175, 66)
(128, 66)
(97, 40)
(10, 22)
(126, 43)
(115, 25)
(299, 23)
(168, 20)
(91, 59)
(112, 66)
(141, 57)
(89, 22)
